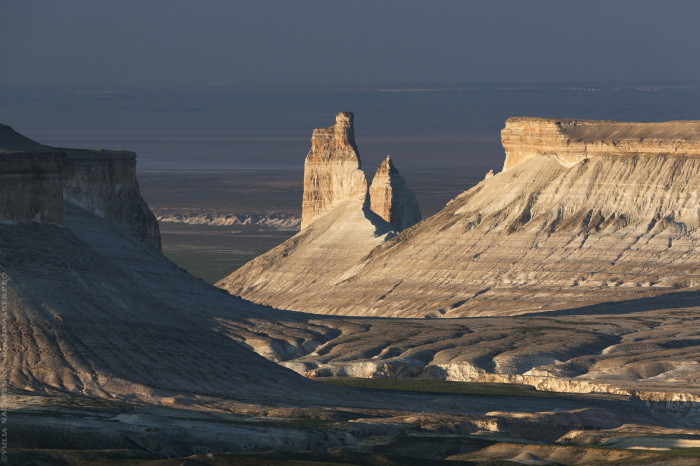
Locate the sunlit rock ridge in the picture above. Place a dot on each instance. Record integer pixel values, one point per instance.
(585, 212)
(572, 141)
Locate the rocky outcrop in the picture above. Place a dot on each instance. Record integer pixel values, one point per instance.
(574, 140)
(339, 225)
(38, 179)
(104, 182)
(30, 180)
(391, 199)
(544, 235)
(332, 169)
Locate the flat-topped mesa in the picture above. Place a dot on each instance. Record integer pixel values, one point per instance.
(574, 140)
(38, 179)
(104, 182)
(332, 169)
(391, 199)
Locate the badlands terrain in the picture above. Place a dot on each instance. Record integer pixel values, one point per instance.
(561, 289)
(581, 269)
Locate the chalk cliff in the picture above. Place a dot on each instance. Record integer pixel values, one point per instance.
(554, 231)
(38, 179)
(105, 183)
(332, 169)
(338, 228)
(574, 140)
(391, 199)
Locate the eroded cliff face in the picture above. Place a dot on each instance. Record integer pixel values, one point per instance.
(391, 199)
(339, 227)
(575, 140)
(30, 181)
(332, 169)
(104, 182)
(548, 233)
(39, 179)
(31, 187)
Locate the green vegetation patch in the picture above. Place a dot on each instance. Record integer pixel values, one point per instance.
(452, 388)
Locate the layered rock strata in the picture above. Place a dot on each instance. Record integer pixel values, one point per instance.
(645, 348)
(31, 187)
(99, 323)
(39, 179)
(574, 140)
(543, 235)
(339, 227)
(332, 169)
(105, 183)
(391, 199)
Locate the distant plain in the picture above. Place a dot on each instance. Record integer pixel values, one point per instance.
(211, 252)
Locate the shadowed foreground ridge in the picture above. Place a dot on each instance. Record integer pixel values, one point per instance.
(94, 309)
(553, 231)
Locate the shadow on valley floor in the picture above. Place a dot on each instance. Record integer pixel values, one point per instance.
(666, 301)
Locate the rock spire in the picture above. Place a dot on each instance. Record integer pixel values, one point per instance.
(391, 199)
(332, 169)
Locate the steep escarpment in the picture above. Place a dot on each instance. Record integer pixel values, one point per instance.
(575, 140)
(39, 179)
(391, 199)
(108, 345)
(31, 187)
(105, 183)
(545, 234)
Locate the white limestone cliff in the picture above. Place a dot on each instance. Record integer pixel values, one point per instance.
(572, 141)
(391, 199)
(332, 169)
(553, 231)
(338, 228)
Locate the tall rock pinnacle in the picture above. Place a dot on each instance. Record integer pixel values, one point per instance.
(332, 169)
(391, 199)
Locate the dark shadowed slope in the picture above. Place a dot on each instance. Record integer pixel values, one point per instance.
(92, 310)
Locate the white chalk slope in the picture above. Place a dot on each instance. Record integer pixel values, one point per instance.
(540, 236)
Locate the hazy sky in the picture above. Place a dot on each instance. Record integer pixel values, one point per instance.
(302, 42)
